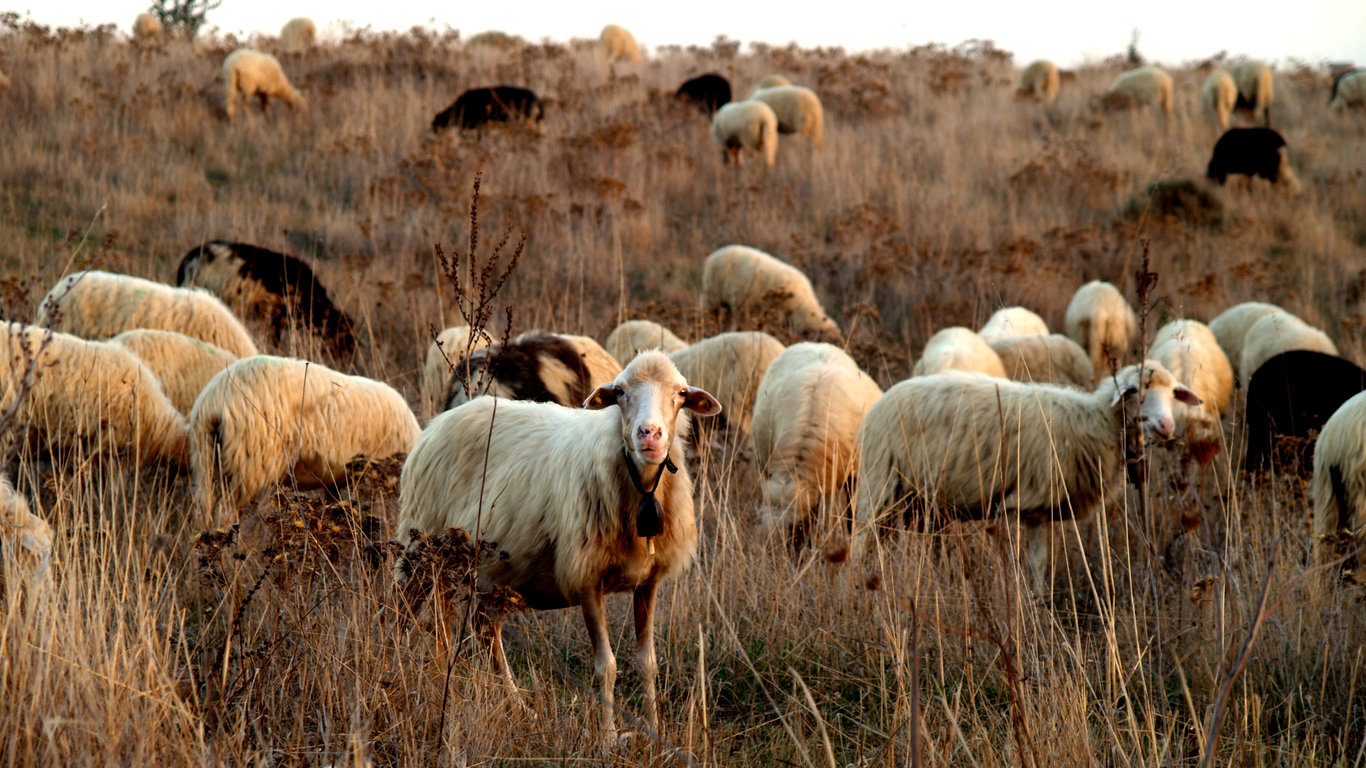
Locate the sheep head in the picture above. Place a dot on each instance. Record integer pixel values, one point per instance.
(650, 392)
(1160, 390)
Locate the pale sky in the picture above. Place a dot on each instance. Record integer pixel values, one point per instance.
(1069, 32)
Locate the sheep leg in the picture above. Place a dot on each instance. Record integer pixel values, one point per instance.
(604, 664)
(645, 649)
(1037, 548)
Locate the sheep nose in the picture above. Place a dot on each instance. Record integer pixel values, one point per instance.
(650, 432)
(1164, 426)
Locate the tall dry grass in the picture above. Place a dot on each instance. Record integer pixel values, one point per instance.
(936, 199)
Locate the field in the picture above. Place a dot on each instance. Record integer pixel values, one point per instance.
(1196, 630)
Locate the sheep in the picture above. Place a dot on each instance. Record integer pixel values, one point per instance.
(1252, 152)
(981, 446)
(570, 536)
(279, 288)
(1040, 81)
(1012, 321)
(99, 305)
(146, 27)
(1338, 487)
(265, 419)
(959, 349)
(1254, 88)
(635, 336)
(1144, 86)
(746, 125)
(247, 73)
(1291, 395)
(1219, 94)
(450, 346)
(730, 365)
(89, 392)
(1349, 90)
(299, 34)
(771, 81)
(1189, 349)
(184, 365)
(543, 367)
(797, 108)
(1102, 322)
(1044, 357)
(744, 280)
(1275, 333)
(807, 412)
(496, 104)
(706, 92)
(24, 537)
(1231, 326)
(619, 44)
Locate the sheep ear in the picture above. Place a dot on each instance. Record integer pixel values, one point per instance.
(602, 397)
(1123, 392)
(1184, 395)
(701, 401)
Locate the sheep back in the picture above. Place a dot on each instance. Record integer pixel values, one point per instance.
(1219, 94)
(1254, 82)
(536, 366)
(1040, 81)
(1012, 321)
(730, 366)
(1338, 487)
(1252, 152)
(1230, 327)
(1349, 90)
(248, 72)
(299, 33)
(1051, 358)
(635, 336)
(746, 125)
(1293, 394)
(620, 44)
(1102, 322)
(1147, 86)
(797, 108)
(497, 104)
(958, 349)
(1278, 332)
(705, 92)
(746, 280)
(183, 364)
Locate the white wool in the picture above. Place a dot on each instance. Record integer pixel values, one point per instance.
(1351, 91)
(1147, 86)
(146, 27)
(635, 336)
(747, 281)
(1102, 322)
(1231, 326)
(1339, 485)
(1045, 358)
(1278, 332)
(730, 366)
(1012, 321)
(771, 81)
(959, 349)
(619, 44)
(248, 72)
(183, 364)
(24, 537)
(797, 108)
(1190, 351)
(746, 125)
(1040, 80)
(1254, 82)
(298, 34)
(1219, 94)
(449, 347)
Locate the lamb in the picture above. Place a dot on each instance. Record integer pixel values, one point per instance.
(730, 365)
(744, 280)
(1043, 357)
(266, 419)
(746, 125)
(496, 104)
(1220, 95)
(299, 34)
(1230, 327)
(22, 533)
(979, 447)
(619, 44)
(146, 27)
(771, 81)
(1349, 90)
(1040, 81)
(1339, 485)
(1012, 321)
(542, 367)
(1252, 152)
(184, 365)
(89, 392)
(98, 305)
(1254, 88)
(959, 349)
(1190, 351)
(797, 108)
(1291, 395)
(1144, 86)
(635, 336)
(1275, 333)
(810, 404)
(247, 73)
(449, 347)
(571, 536)
(1102, 322)
(706, 92)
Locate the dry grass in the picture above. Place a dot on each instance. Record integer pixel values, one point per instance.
(937, 198)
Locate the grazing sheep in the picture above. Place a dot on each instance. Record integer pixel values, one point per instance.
(1145, 86)
(771, 81)
(979, 447)
(1275, 333)
(1291, 395)
(806, 417)
(24, 537)
(247, 73)
(266, 419)
(635, 336)
(542, 367)
(746, 125)
(1012, 321)
(1040, 81)
(619, 44)
(797, 108)
(1231, 326)
(744, 280)
(730, 365)
(1349, 90)
(1042, 357)
(448, 348)
(1254, 88)
(1190, 351)
(299, 34)
(1219, 94)
(706, 92)
(498, 104)
(99, 305)
(1102, 322)
(1252, 152)
(278, 288)
(1339, 485)
(146, 27)
(959, 349)
(570, 536)
(88, 392)
(183, 364)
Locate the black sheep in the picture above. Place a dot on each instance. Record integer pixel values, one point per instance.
(1293, 394)
(500, 103)
(1252, 152)
(706, 92)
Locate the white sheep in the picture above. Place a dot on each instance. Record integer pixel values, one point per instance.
(1275, 333)
(449, 347)
(1254, 88)
(1040, 81)
(619, 44)
(266, 419)
(299, 34)
(248, 72)
(798, 110)
(1219, 94)
(810, 404)
(771, 81)
(973, 446)
(1231, 326)
(570, 536)
(1349, 90)
(1102, 322)
(1145, 86)
(25, 538)
(1338, 488)
(1012, 321)
(635, 336)
(746, 125)
(1189, 349)
(146, 27)
(90, 392)
(544, 367)
(1045, 357)
(183, 364)
(959, 349)
(99, 305)
(747, 281)
(730, 366)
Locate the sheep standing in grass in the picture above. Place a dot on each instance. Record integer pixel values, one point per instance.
(267, 419)
(1252, 152)
(570, 536)
(299, 34)
(183, 364)
(1349, 90)
(797, 108)
(1219, 94)
(958, 349)
(1292, 395)
(448, 348)
(619, 44)
(730, 365)
(810, 404)
(99, 305)
(542, 367)
(1040, 81)
(1254, 88)
(1102, 322)
(1144, 86)
(146, 27)
(706, 92)
(247, 73)
(497, 104)
(1275, 333)
(1012, 321)
(1190, 351)
(977, 447)
(747, 281)
(1230, 327)
(1339, 485)
(1043, 357)
(22, 533)
(635, 336)
(746, 125)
